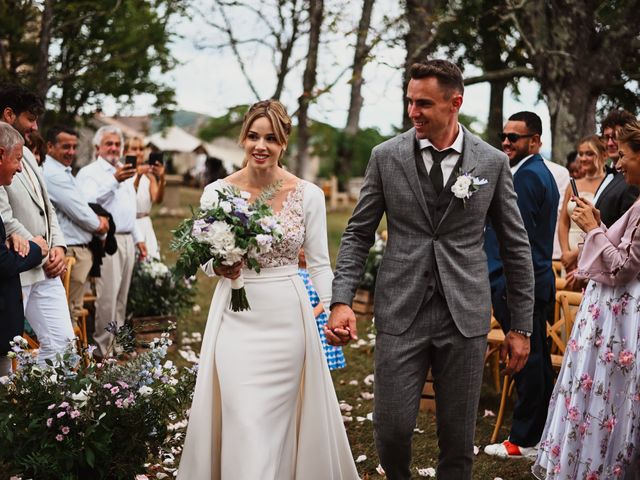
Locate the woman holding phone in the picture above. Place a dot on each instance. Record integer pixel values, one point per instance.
(591, 155)
(593, 426)
(149, 184)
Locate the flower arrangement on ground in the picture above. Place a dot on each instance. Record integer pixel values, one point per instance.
(227, 229)
(103, 421)
(157, 289)
(373, 262)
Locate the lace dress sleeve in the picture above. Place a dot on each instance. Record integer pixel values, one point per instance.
(316, 248)
(613, 257)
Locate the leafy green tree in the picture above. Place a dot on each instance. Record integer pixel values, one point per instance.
(78, 52)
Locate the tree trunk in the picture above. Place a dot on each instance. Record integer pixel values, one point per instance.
(42, 66)
(575, 58)
(344, 155)
(287, 49)
(316, 14)
(496, 115)
(419, 42)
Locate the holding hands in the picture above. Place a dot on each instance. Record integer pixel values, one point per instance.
(341, 327)
(55, 264)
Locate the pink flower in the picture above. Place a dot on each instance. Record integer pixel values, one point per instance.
(49, 422)
(572, 345)
(122, 384)
(616, 308)
(74, 414)
(626, 358)
(63, 405)
(119, 403)
(610, 422)
(595, 311)
(51, 407)
(584, 427)
(59, 437)
(114, 390)
(586, 383)
(608, 356)
(107, 385)
(65, 430)
(557, 468)
(61, 414)
(555, 451)
(593, 476)
(598, 341)
(617, 471)
(573, 414)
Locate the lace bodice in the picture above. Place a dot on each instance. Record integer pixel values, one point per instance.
(291, 218)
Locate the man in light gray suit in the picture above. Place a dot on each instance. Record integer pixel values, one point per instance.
(437, 184)
(26, 210)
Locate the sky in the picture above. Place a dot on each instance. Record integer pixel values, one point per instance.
(209, 80)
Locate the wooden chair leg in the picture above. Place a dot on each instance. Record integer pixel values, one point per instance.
(503, 403)
(495, 363)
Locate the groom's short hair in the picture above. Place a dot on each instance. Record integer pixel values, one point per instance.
(447, 73)
(531, 120)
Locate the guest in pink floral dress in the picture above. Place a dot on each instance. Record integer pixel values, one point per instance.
(593, 427)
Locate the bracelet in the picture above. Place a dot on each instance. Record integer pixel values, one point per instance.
(524, 333)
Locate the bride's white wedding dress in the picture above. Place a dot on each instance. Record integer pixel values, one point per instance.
(264, 406)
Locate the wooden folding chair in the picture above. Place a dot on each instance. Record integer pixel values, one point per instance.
(566, 307)
(79, 330)
(557, 268)
(495, 338)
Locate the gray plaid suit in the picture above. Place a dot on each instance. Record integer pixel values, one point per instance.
(432, 298)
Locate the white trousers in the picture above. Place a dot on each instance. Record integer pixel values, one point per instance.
(112, 289)
(46, 309)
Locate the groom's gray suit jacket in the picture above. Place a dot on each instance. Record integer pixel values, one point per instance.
(429, 249)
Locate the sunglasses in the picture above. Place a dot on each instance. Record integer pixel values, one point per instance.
(606, 138)
(513, 137)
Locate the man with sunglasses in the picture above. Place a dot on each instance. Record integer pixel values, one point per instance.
(614, 196)
(538, 199)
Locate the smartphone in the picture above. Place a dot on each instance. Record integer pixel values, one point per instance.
(574, 187)
(131, 161)
(155, 158)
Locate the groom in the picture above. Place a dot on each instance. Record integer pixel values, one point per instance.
(432, 299)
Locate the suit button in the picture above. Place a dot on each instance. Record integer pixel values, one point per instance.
(41, 213)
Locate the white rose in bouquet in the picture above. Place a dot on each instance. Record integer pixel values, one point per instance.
(209, 198)
(220, 236)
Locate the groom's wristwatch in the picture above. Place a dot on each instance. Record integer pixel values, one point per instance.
(524, 333)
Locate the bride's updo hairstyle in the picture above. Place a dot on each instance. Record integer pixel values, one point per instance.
(275, 112)
(630, 136)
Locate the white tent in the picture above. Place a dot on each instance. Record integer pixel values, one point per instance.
(174, 139)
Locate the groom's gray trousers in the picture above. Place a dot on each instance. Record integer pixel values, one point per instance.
(401, 365)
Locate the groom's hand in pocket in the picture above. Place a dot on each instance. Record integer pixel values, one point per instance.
(341, 327)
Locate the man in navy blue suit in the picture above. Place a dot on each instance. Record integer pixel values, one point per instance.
(538, 198)
(16, 255)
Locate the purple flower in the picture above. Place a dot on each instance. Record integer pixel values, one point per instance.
(61, 414)
(114, 390)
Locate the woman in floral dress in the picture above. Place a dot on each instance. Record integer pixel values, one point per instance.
(592, 431)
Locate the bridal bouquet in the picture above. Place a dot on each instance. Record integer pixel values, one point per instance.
(227, 229)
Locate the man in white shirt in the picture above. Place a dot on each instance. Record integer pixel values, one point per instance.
(26, 210)
(109, 183)
(77, 220)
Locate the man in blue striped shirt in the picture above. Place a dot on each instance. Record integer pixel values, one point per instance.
(77, 220)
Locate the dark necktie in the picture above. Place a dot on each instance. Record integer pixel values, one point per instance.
(435, 174)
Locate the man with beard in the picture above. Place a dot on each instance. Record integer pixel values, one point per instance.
(109, 183)
(26, 210)
(538, 198)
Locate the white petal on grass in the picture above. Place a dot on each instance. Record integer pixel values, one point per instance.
(345, 407)
(353, 382)
(488, 413)
(346, 419)
(361, 458)
(368, 380)
(418, 430)
(370, 416)
(476, 450)
(427, 472)
(380, 470)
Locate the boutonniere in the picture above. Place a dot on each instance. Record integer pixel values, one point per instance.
(466, 185)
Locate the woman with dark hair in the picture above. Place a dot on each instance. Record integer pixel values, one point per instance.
(592, 431)
(264, 406)
(38, 147)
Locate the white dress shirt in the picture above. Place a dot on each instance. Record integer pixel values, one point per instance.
(99, 185)
(448, 162)
(76, 218)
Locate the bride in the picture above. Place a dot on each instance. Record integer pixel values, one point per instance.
(264, 406)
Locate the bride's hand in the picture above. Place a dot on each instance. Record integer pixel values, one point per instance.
(229, 271)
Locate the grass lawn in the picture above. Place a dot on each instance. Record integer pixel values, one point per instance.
(349, 382)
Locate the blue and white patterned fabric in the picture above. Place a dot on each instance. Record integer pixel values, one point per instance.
(334, 355)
